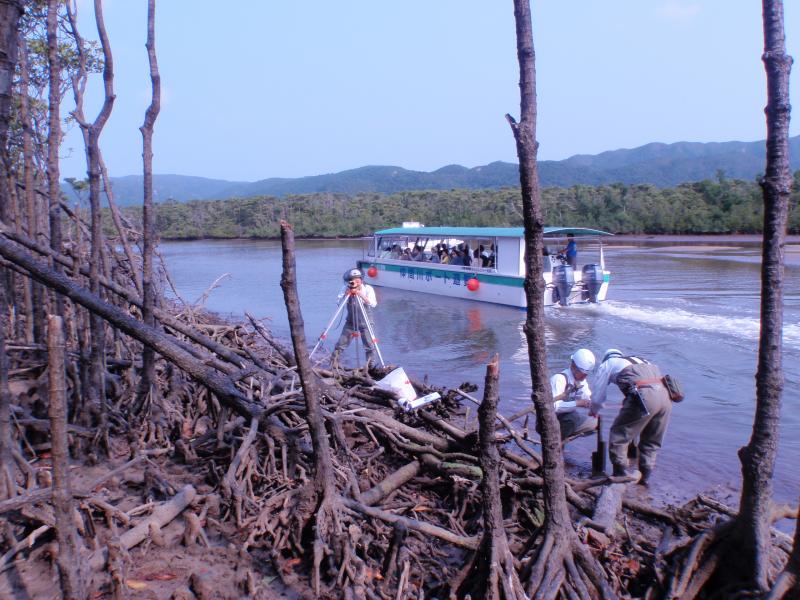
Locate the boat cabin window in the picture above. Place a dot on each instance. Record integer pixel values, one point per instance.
(466, 252)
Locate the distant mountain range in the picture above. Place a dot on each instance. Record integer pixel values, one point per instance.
(662, 165)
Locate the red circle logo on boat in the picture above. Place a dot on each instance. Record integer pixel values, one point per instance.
(473, 284)
(372, 272)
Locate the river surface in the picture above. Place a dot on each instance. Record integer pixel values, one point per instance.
(691, 307)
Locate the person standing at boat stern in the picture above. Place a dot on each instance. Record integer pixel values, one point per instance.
(355, 324)
(570, 251)
(645, 410)
(570, 390)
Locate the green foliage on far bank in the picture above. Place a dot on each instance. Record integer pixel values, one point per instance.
(721, 206)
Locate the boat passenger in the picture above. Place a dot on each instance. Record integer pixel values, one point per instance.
(467, 256)
(645, 411)
(486, 259)
(456, 258)
(570, 389)
(570, 251)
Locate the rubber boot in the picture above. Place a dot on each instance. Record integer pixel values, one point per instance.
(619, 471)
(335, 360)
(645, 479)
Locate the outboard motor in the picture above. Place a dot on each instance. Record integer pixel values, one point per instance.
(563, 279)
(592, 277)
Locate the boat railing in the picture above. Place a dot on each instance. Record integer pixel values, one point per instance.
(434, 265)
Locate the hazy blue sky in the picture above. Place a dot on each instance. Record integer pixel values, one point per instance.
(273, 88)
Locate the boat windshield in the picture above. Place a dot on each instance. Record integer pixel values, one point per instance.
(587, 249)
(470, 252)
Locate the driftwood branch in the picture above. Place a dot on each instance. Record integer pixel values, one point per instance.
(161, 515)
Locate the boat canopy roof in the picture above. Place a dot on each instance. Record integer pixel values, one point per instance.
(487, 232)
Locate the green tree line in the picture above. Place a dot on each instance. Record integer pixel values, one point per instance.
(719, 206)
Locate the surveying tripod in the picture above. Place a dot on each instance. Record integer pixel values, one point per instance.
(360, 313)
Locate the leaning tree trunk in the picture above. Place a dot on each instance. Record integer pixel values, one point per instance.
(97, 394)
(147, 382)
(54, 137)
(8, 486)
(34, 313)
(561, 561)
(222, 385)
(10, 13)
(758, 457)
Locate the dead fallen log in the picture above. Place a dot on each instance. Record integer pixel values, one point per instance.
(395, 480)
(417, 435)
(161, 516)
(609, 503)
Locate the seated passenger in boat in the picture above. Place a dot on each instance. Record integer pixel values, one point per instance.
(467, 255)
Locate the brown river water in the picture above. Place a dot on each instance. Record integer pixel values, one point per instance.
(689, 304)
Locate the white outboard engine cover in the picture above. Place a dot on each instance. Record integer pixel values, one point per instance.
(592, 277)
(563, 279)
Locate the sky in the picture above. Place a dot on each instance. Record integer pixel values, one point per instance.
(254, 89)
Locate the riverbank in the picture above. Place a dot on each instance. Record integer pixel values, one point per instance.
(199, 500)
(738, 238)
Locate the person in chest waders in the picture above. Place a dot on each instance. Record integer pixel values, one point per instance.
(645, 411)
(355, 324)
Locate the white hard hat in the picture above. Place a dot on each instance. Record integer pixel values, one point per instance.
(583, 359)
(352, 274)
(610, 353)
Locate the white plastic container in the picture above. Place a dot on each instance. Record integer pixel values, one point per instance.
(397, 381)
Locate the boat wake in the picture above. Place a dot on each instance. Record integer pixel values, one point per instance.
(746, 328)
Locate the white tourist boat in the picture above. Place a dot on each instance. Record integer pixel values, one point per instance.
(432, 260)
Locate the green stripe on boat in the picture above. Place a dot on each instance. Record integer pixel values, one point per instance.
(440, 273)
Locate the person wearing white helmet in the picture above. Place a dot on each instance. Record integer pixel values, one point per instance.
(645, 410)
(571, 391)
(355, 325)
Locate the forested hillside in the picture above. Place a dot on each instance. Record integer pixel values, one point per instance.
(662, 165)
(721, 206)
